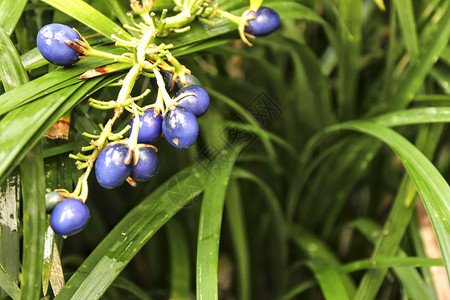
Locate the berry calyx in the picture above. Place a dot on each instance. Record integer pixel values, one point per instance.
(51, 42)
(149, 126)
(69, 217)
(265, 21)
(194, 98)
(110, 167)
(147, 165)
(180, 127)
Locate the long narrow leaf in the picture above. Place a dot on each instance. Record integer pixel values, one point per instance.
(211, 223)
(34, 221)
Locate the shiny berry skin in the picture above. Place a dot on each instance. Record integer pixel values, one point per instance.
(265, 22)
(51, 200)
(147, 165)
(149, 126)
(51, 43)
(180, 127)
(197, 103)
(190, 80)
(69, 217)
(110, 168)
(167, 76)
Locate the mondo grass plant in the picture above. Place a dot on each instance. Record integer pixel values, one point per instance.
(211, 149)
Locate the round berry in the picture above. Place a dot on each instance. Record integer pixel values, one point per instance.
(265, 22)
(51, 200)
(69, 217)
(110, 167)
(190, 80)
(198, 103)
(51, 42)
(180, 127)
(167, 76)
(147, 165)
(149, 126)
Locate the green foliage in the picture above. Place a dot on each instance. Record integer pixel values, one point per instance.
(319, 143)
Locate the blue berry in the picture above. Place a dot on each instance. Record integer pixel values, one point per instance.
(51, 43)
(197, 103)
(180, 127)
(167, 76)
(147, 165)
(149, 126)
(51, 200)
(265, 22)
(69, 217)
(110, 167)
(190, 79)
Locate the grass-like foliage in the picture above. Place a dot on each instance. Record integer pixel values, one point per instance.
(319, 170)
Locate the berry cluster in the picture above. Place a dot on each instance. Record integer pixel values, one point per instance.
(180, 101)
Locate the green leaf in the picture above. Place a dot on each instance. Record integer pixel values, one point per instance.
(419, 69)
(412, 281)
(211, 222)
(8, 284)
(349, 55)
(236, 221)
(324, 265)
(56, 80)
(86, 14)
(180, 276)
(329, 280)
(432, 187)
(10, 12)
(117, 249)
(405, 12)
(34, 222)
(255, 4)
(11, 71)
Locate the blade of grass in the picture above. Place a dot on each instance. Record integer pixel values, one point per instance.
(324, 265)
(12, 75)
(405, 12)
(37, 88)
(416, 287)
(236, 221)
(11, 72)
(86, 14)
(329, 280)
(33, 186)
(10, 12)
(249, 118)
(415, 75)
(117, 249)
(432, 187)
(180, 269)
(210, 224)
(129, 286)
(348, 53)
(8, 284)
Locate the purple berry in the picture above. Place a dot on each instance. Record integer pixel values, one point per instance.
(69, 217)
(110, 167)
(197, 103)
(180, 127)
(51, 43)
(147, 165)
(265, 22)
(149, 126)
